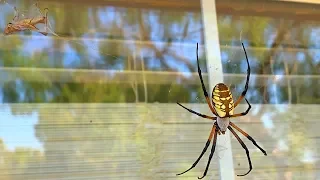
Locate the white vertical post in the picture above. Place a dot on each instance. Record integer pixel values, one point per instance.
(215, 76)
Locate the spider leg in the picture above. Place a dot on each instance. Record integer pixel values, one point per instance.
(204, 88)
(243, 113)
(194, 112)
(212, 151)
(244, 147)
(249, 137)
(247, 82)
(212, 133)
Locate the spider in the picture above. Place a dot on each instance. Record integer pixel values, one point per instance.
(223, 108)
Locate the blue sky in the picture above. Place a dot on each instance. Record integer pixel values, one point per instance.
(18, 130)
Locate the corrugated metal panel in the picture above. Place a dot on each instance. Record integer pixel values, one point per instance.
(127, 76)
(156, 141)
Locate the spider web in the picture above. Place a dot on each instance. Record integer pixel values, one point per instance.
(221, 146)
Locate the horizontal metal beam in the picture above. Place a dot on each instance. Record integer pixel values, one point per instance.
(276, 9)
(124, 45)
(151, 77)
(303, 1)
(184, 5)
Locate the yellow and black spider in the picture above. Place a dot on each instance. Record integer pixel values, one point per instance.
(223, 107)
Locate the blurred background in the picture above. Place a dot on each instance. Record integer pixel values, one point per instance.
(99, 100)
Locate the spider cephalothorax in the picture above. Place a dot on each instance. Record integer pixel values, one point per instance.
(223, 108)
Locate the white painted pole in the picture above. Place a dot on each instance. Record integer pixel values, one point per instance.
(215, 75)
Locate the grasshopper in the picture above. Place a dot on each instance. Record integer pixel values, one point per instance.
(29, 23)
(18, 25)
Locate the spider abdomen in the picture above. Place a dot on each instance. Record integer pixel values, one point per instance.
(222, 100)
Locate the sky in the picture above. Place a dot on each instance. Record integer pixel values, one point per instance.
(18, 130)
